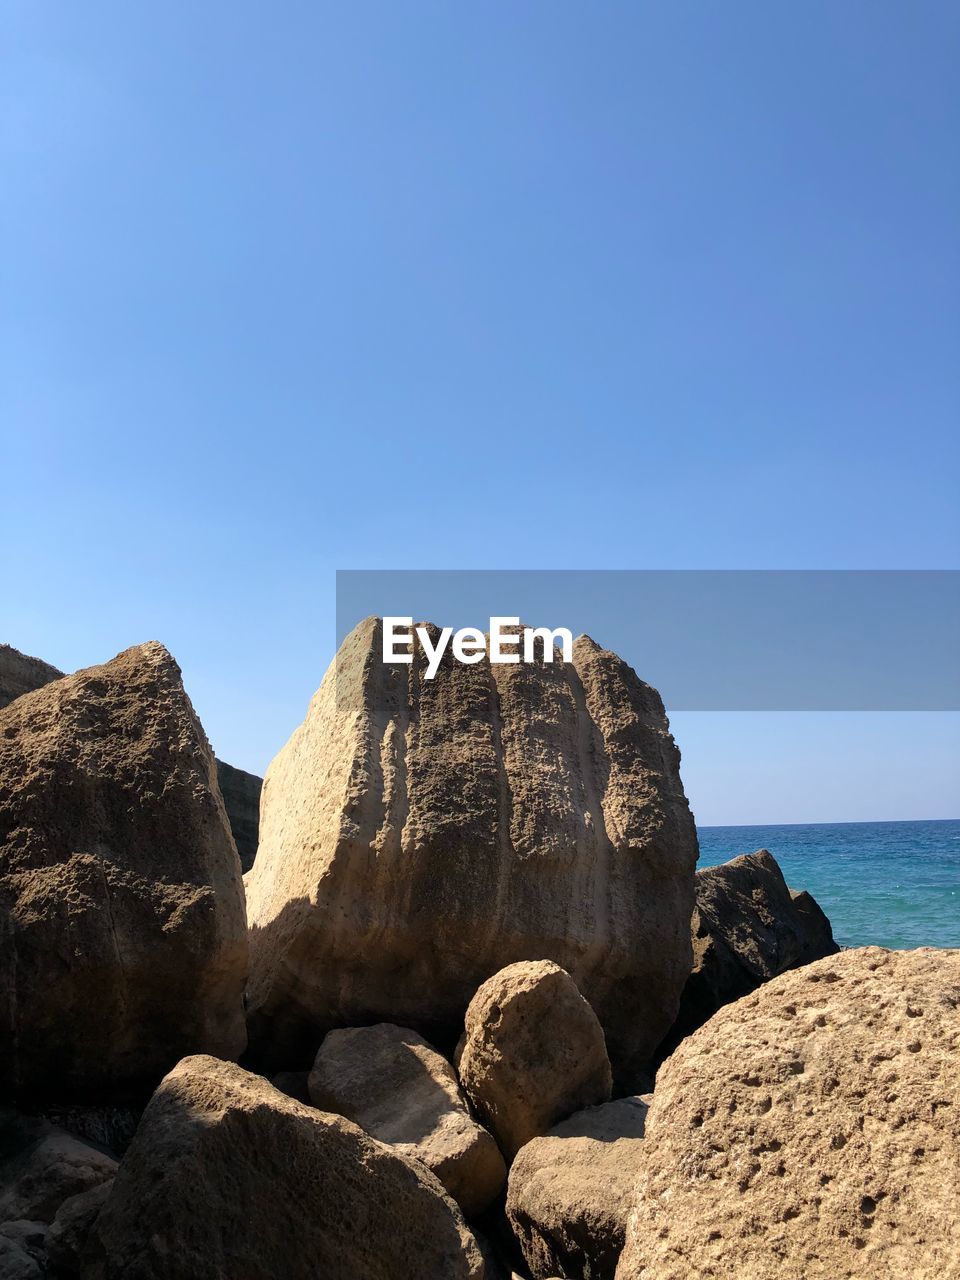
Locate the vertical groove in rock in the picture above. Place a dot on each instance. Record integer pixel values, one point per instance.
(492, 773)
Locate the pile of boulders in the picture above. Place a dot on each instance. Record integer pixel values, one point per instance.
(419, 1037)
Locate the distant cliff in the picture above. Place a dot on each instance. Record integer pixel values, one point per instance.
(241, 796)
(21, 674)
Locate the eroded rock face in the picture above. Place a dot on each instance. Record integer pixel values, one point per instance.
(417, 836)
(20, 674)
(533, 1052)
(228, 1177)
(747, 927)
(570, 1191)
(810, 1129)
(400, 1090)
(122, 930)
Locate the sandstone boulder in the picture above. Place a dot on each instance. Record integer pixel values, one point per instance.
(419, 835)
(532, 1053)
(122, 930)
(20, 674)
(810, 1130)
(747, 927)
(227, 1177)
(400, 1090)
(570, 1191)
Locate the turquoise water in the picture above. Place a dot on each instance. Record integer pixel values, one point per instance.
(892, 884)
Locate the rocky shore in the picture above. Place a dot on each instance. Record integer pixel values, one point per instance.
(470, 1011)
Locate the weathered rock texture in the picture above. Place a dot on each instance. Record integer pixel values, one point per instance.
(532, 1052)
(241, 799)
(810, 1130)
(401, 1091)
(21, 674)
(570, 1191)
(747, 926)
(122, 931)
(419, 835)
(227, 1177)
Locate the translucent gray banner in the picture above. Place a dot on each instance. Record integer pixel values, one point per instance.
(715, 640)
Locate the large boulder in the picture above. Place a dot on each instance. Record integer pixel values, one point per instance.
(418, 835)
(747, 927)
(810, 1129)
(532, 1052)
(400, 1090)
(122, 930)
(570, 1191)
(20, 674)
(227, 1177)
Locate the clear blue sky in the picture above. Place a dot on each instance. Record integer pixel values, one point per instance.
(296, 287)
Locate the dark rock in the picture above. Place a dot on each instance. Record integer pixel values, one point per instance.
(18, 1259)
(66, 1243)
(241, 798)
(817, 938)
(110, 1128)
(293, 1084)
(747, 927)
(43, 1167)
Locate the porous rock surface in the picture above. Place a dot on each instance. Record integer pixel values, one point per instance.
(20, 674)
(227, 1177)
(532, 1052)
(122, 930)
(810, 1130)
(418, 835)
(747, 927)
(570, 1191)
(393, 1084)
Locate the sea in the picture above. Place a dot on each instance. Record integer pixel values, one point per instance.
(886, 884)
